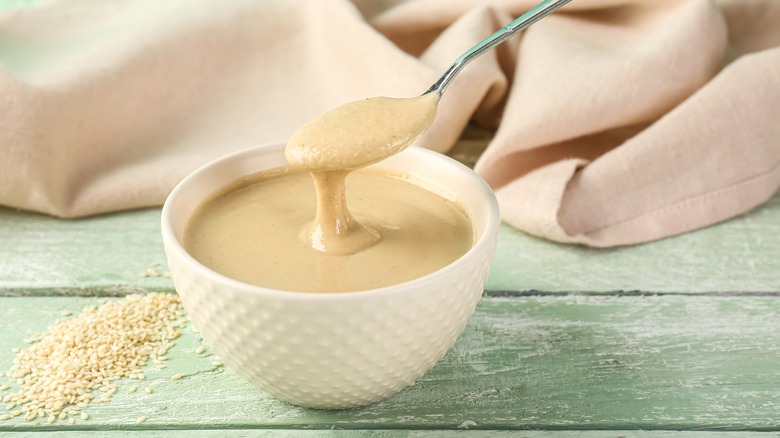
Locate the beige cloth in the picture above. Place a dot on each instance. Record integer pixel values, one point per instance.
(619, 121)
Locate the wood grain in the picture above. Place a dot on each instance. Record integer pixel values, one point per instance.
(567, 354)
(104, 255)
(395, 433)
(740, 255)
(575, 362)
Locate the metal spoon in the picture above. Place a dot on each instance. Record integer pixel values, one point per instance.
(333, 142)
(532, 16)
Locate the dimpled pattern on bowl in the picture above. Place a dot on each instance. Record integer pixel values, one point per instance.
(333, 354)
(332, 350)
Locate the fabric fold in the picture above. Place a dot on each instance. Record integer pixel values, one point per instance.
(617, 121)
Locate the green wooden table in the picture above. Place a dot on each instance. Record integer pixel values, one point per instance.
(676, 338)
(679, 337)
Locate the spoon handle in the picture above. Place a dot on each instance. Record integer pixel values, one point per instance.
(532, 16)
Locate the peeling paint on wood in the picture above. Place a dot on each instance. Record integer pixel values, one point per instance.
(395, 433)
(106, 255)
(679, 338)
(671, 362)
(735, 256)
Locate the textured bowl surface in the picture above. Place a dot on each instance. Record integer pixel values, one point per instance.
(332, 350)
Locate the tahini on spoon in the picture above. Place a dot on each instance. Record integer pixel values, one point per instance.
(361, 133)
(364, 132)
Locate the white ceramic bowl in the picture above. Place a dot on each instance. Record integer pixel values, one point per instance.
(335, 350)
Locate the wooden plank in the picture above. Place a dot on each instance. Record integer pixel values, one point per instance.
(734, 256)
(105, 255)
(102, 255)
(276, 433)
(576, 362)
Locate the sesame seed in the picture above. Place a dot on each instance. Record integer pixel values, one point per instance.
(216, 364)
(51, 419)
(141, 419)
(89, 352)
(176, 377)
(200, 350)
(5, 417)
(71, 421)
(66, 313)
(84, 416)
(132, 389)
(148, 390)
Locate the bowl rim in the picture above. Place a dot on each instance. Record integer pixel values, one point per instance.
(173, 245)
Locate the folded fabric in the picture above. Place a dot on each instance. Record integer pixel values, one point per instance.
(618, 121)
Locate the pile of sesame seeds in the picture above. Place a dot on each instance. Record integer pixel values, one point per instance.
(77, 361)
